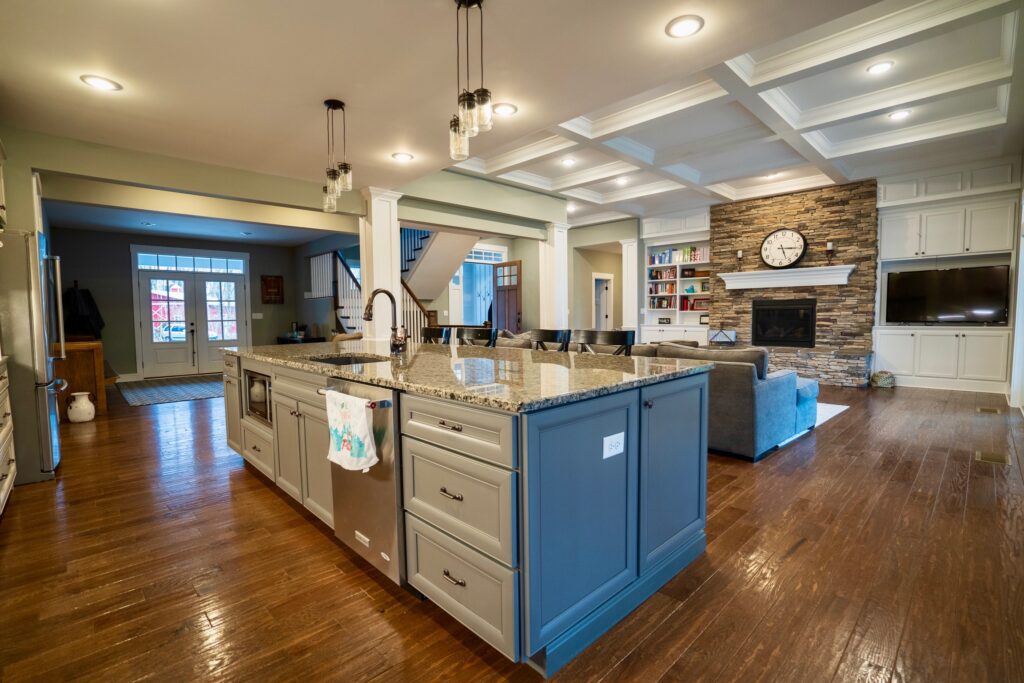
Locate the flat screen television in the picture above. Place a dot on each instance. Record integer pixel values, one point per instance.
(958, 296)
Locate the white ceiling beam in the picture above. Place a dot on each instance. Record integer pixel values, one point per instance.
(753, 134)
(745, 95)
(769, 189)
(909, 25)
(528, 154)
(588, 176)
(533, 181)
(600, 217)
(645, 190)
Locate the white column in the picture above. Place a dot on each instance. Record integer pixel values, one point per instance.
(554, 278)
(379, 257)
(630, 295)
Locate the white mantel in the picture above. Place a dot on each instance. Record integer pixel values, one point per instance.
(787, 278)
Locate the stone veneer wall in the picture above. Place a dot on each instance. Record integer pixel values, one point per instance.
(845, 215)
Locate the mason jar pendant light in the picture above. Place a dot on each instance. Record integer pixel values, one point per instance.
(458, 143)
(474, 112)
(339, 177)
(484, 110)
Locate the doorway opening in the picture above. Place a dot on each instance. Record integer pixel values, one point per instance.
(602, 304)
(472, 287)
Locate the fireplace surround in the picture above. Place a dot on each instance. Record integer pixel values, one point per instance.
(784, 322)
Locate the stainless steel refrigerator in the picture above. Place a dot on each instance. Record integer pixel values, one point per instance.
(32, 319)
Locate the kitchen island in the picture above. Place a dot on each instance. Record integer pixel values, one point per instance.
(536, 496)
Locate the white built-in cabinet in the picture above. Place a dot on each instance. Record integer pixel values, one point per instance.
(928, 356)
(975, 227)
(663, 333)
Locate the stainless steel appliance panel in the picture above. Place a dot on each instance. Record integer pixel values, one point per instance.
(367, 506)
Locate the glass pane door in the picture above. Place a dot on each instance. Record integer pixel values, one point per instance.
(221, 318)
(167, 345)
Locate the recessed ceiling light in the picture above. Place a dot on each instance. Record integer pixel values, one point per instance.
(880, 68)
(568, 162)
(570, 207)
(402, 157)
(684, 26)
(100, 83)
(148, 224)
(505, 109)
(621, 180)
(774, 174)
(245, 234)
(899, 115)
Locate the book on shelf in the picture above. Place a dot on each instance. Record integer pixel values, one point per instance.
(687, 254)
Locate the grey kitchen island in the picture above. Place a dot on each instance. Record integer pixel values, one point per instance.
(536, 496)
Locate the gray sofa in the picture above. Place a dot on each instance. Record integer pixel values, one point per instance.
(752, 410)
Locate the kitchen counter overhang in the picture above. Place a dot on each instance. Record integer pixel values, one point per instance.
(514, 380)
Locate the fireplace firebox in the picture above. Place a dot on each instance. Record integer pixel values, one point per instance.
(788, 322)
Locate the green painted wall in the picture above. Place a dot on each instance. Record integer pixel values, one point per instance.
(581, 267)
(101, 262)
(603, 233)
(319, 311)
(440, 304)
(515, 204)
(528, 251)
(583, 264)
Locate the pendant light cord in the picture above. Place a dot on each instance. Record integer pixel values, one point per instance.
(467, 47)
(344, 136)
(458, 55)
(481, 8)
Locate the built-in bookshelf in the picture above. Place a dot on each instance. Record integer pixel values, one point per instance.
(677, 283)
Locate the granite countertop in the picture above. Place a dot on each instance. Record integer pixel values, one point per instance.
(516, 380)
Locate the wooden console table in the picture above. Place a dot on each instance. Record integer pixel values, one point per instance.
(84, 370)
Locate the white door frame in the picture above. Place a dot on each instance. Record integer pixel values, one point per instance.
(245, 334)
(456, 319)
(594, 277)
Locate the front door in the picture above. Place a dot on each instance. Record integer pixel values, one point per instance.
(219, 318)
(168, 326)
(508, 296)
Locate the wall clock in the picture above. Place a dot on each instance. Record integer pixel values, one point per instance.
(783, 248)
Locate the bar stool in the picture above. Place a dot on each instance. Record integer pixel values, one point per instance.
(559, 339)
(435, 335)
(623, 339)
(470, 335)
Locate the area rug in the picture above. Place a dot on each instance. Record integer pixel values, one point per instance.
(826, 411)
(172, 389)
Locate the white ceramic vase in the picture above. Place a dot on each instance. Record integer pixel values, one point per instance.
(81, 409)
(258, 391)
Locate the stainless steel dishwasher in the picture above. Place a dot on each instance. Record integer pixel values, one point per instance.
(368, 506)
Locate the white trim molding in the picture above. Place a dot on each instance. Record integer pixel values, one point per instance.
(793, 277)
(554, 277)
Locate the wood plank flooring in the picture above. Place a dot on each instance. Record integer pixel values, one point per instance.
(876, 548)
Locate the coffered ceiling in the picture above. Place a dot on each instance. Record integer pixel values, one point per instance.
(803, 112)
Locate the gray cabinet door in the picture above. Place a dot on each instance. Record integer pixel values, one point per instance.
(317, 495)
(287, 442)
(233, 413)
(673, 466)
(580, 474)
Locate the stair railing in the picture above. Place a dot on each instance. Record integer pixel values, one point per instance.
(348, 301)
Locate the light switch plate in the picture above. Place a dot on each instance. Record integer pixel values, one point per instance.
(614, 444)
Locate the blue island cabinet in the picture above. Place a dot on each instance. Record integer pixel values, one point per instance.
(614, 505)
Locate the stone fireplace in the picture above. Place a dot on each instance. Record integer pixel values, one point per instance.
(786, 322)
(839, 352)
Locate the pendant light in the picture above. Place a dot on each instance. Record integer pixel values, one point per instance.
(458, 132)
(339, 177)
(484, 109)
(458, 143)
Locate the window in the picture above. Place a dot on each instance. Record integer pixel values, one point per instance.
(483, 255)
(167, 310)
(190, 264)
(221, 311)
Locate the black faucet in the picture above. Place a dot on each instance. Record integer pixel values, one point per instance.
(398, 340)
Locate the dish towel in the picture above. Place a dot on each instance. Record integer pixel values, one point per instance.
(350, 421)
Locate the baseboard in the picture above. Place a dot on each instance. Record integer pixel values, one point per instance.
(952, 384)
(133, 377)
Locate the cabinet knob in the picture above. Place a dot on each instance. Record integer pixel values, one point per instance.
(452, 580)
(648, 403)
(257, 449)
(911, 334)
(967, 249)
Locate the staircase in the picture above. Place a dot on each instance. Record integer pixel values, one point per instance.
(411, 242)
(349, 303)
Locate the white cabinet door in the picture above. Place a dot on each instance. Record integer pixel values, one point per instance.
(317, 493)
(990, 226)
(894, 351)
(942, 232)
(984, 355)
(288, 446)
(697, 334)
(937, 354)
(899, 235)
(233, 413)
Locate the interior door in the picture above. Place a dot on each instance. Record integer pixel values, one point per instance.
(508, 296)
(455, 298)
(168, 324)
(221, 318)
(602, 305)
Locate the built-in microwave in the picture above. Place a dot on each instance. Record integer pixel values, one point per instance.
(257, 397)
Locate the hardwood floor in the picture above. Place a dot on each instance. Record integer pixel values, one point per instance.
(876, 548)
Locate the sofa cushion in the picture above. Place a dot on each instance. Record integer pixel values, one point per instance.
(647, 350)
(757, 356)
(806, 389)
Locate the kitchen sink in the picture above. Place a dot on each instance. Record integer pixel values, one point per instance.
(350, 359)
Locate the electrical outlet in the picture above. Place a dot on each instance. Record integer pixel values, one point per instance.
(257, 316)
(614, 444)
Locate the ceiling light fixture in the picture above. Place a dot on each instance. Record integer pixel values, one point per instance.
(568, 162)
(339, 177)
(773, 174)
(505, 109)
(101, 83)
(402, 157)
(475, 112)
(570, 207)
(899, 115)
(621, 180)
(684, 26)
(880, 68)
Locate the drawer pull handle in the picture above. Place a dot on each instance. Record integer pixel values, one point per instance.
(455, 427)
(452, 580)
(452, 496)
(257, 449)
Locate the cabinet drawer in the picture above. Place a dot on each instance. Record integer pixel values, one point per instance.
(6, 418)
(258, 450)
(300, 390)
(6, 459)
(472, 501)
(471, 587)
(479, 433)
(4, 378)
(231, 365)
